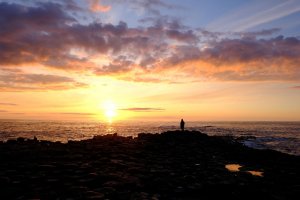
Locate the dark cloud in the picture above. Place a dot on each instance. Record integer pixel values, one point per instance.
(29, 35)
(209, 34)
(238, 59)
(187, 36)
(119, 65)
(3, 110)
(164, 22)
(17, 18)
(245, 50)
(241, 59)
(33, 36)
(48, 33)
(182, 54)
(143, 109)
(45, 34)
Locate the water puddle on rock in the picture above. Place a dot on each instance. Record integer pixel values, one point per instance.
(256, 173)
(233, 167)
(236, 168)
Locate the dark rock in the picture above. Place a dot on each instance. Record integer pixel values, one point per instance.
(20, 140)
(171, 165)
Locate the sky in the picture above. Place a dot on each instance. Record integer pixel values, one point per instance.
(150, 60)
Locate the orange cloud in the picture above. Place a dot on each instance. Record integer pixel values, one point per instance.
(23, 82)
(96, 6)
(164, 51)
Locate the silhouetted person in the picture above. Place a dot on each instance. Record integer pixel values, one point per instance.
(182, 124)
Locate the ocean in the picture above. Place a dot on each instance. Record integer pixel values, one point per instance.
(280, 136)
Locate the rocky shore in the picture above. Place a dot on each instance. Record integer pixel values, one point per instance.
(171, 165)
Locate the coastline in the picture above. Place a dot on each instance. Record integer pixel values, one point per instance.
(171, 165)
(282, 137)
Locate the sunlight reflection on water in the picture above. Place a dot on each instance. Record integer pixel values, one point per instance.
(110, 130)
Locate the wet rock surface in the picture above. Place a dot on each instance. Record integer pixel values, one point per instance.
(172, 165)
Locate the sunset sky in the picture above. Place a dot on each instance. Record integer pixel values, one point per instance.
(152, 60)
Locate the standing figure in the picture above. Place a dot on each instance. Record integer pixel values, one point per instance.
(182, 124)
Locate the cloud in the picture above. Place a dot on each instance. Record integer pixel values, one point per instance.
(183, 53)
(50, 34)
(245, 50)
(27, 38)
(44, 17)
(35, 78)
(137, 109)
(76, 113)
(3, 110)
(297, 87)
(217, 36)
(96, 6)
(163, 50)
(276, 12)
(8, 104)
(49, 40)
(151, 6)
(197, 96)
(253, 14)
(19, 82)
(249, 59)
(155, 3)
(187, 36)
(265, 32)
(229, 59)
(118, 65)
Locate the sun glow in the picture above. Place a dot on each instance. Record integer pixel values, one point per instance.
(110, 110)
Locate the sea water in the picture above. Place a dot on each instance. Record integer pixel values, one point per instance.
(280, 136)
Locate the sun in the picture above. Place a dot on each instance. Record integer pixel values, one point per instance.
(110, 110)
